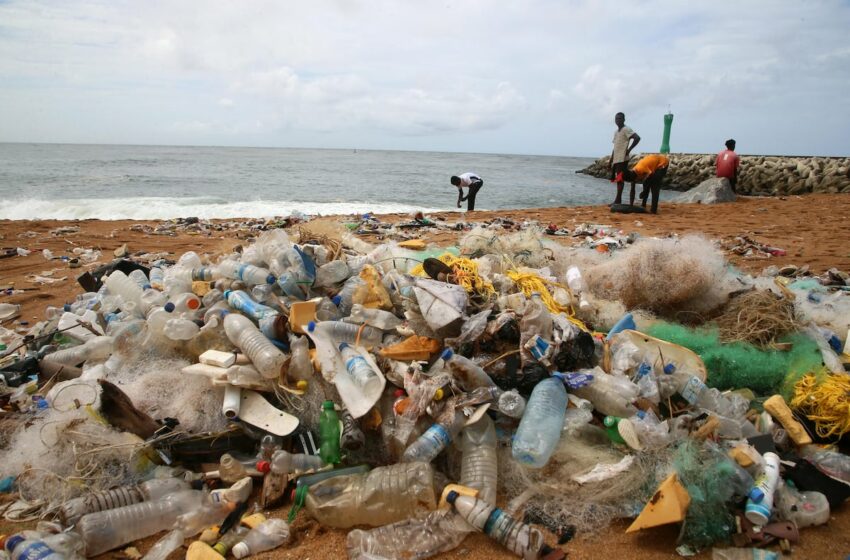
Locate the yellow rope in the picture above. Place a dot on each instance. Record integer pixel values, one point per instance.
(827, 404)
(529, 282)
(466, 274)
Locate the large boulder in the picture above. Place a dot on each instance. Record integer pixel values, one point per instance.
(710, 191)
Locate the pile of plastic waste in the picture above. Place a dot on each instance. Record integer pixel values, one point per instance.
(413, 394)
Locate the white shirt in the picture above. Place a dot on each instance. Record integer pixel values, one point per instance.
(621, 144)
(468, 178)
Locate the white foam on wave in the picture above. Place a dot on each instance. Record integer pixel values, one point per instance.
(158, 208)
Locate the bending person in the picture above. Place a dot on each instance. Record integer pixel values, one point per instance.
(467, 180)
(650, 171)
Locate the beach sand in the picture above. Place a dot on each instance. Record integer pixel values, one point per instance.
(813, 230)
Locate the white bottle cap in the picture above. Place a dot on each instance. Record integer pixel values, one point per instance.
(240, 550)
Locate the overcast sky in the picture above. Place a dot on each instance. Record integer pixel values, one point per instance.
(532, 77)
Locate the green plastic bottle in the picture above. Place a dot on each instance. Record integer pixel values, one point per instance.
(329, 434)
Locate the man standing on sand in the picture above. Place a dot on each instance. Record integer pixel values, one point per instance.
(727, 164)
(467, 180)
(650, 171)
(625, 140)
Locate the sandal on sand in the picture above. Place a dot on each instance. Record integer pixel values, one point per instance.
(434, 267)
(7, 252)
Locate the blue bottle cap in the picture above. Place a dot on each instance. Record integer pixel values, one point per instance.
(66, 307)
(169, 307)
(641, 414)
(311, 326)
(447, 354)
(669, 369)
(270, 279)
(451, 497)
(756, 495)
(336, 300)
(227, 293)
(343, 345)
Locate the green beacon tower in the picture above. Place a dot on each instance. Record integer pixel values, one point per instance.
(665, 140)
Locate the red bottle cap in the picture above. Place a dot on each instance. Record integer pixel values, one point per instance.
(264, 466)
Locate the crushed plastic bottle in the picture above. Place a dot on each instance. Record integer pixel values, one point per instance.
(268, 535)
(154, 489)
(265, 356)
(541, 425)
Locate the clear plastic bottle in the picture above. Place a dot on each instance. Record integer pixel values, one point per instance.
(265, 356)
(268, 535)
(98, 348)
(157, 278)
(180, 329)
(212, 297)
(152, 298)
(300, 366)
(521, 539)
(286, 463)
(29, 545)
(230, 470)
(512, 404)
(610, 394)
(358, 368)
(345, 298)
(413, 539)
(326, 310)
(536, 320)
(105, 530)
(248, 273)
(241, 301)
(120, 285)
(262, 293)
(541, 425)
(377, 318)
(467, 373)
(436, 438)
(479, 465)
(332, 273)
(154, 489)
(339, 331)
(380, 496)
(139, 277)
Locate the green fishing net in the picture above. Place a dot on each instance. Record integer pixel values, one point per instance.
(709, 477)
(742, 365)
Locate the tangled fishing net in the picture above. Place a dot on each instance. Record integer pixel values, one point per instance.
(758, 317)
(676, 278)
(465, 272)
(522, 248)
(826, 402)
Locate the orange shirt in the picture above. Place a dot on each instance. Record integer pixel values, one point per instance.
(649, 164)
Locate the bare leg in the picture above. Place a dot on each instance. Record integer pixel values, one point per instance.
(632, 195)
(619, 199)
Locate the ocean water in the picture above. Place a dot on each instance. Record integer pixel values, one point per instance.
(64, 181)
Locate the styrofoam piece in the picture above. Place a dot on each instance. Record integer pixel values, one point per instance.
(259, 412)
(213, 372)
(217, 358)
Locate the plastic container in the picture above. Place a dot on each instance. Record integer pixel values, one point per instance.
(98, 348)
(521, 539)
(339, 331)
(377, 318)
(806, 509)
(332, 273)
(265, 356)
(156, 277)
(467, 373)
(72, 510)
(285, 463)
(139, 277)
(105, 530)
(180, 329)
(268, 535)
(326, 310)
(120, 285)
(383, 495)
(230, 470)
(541, 425)
(610, 394)
(433, 440)
(536, 320)
(479, 465)
(359, 369)
(512, 404)
(300, 366)
(241, 301)
(184, 303)
(329, 433)
(760, 501)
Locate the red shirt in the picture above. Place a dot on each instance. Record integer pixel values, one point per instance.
(727, 163)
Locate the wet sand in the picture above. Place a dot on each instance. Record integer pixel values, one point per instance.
(812, 230)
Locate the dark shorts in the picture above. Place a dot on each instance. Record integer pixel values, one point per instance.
(621, 167)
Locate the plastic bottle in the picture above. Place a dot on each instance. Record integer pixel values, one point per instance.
(377, 318)
(380, 496)
(72, 510)
(420, 537)
(152, 298)
(265, 356)
(230, 470)
(29, 546)
(610, 394)
(300, 366)
(184, 303)
(743, 554)
(157, 278)
(512, 404)
(105, 530)
(358, 368)
(536, 320)
(576, 284)
(345, 298)
(248, 273)
(98, 348)
(130, 293)
(433, 440)
(180, 329)
(352, 436)
(339, 331)
(329, 433)
(332, 273)
(241, 301)
(467, 373)
(326, 310)
(521, 539)
(540, 428)
(479, 465)
(268, 535)
(211, 298)
(285, 463)
(760, 501)
(139, 277)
